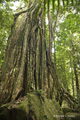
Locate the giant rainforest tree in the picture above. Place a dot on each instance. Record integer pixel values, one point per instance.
(28, 65)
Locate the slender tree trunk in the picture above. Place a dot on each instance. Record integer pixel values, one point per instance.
(50, 34)
(75, 69)
(54, 53)
(72, 75)
(76, 77)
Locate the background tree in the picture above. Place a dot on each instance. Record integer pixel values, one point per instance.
(67, 49)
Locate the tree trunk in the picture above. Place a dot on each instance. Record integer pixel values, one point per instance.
(75, 69)
(72, 76)
(24, 69)
(27, 60)
(20, 68)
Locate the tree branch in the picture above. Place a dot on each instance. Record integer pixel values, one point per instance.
(29, 9)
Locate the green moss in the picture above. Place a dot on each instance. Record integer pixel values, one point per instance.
(36, 105)
(72, 116)
(24, 105)
(32, 107)
(44, 108)
(65, 104)
(4, 112)
(52, 109)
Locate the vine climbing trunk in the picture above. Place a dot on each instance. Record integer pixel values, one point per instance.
(24, 59)
(28, 64)
(24, 69)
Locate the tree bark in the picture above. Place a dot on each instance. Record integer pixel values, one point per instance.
(17, 75)
(27, 60)
(75, 69)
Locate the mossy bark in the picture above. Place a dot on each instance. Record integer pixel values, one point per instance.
(28, 65)
(25, 58)
(18, 68)
(31, 107)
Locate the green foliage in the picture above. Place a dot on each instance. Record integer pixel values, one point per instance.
(39, 92)
(6, 20)
(67, 31)
(1, 1)
(58, 2)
